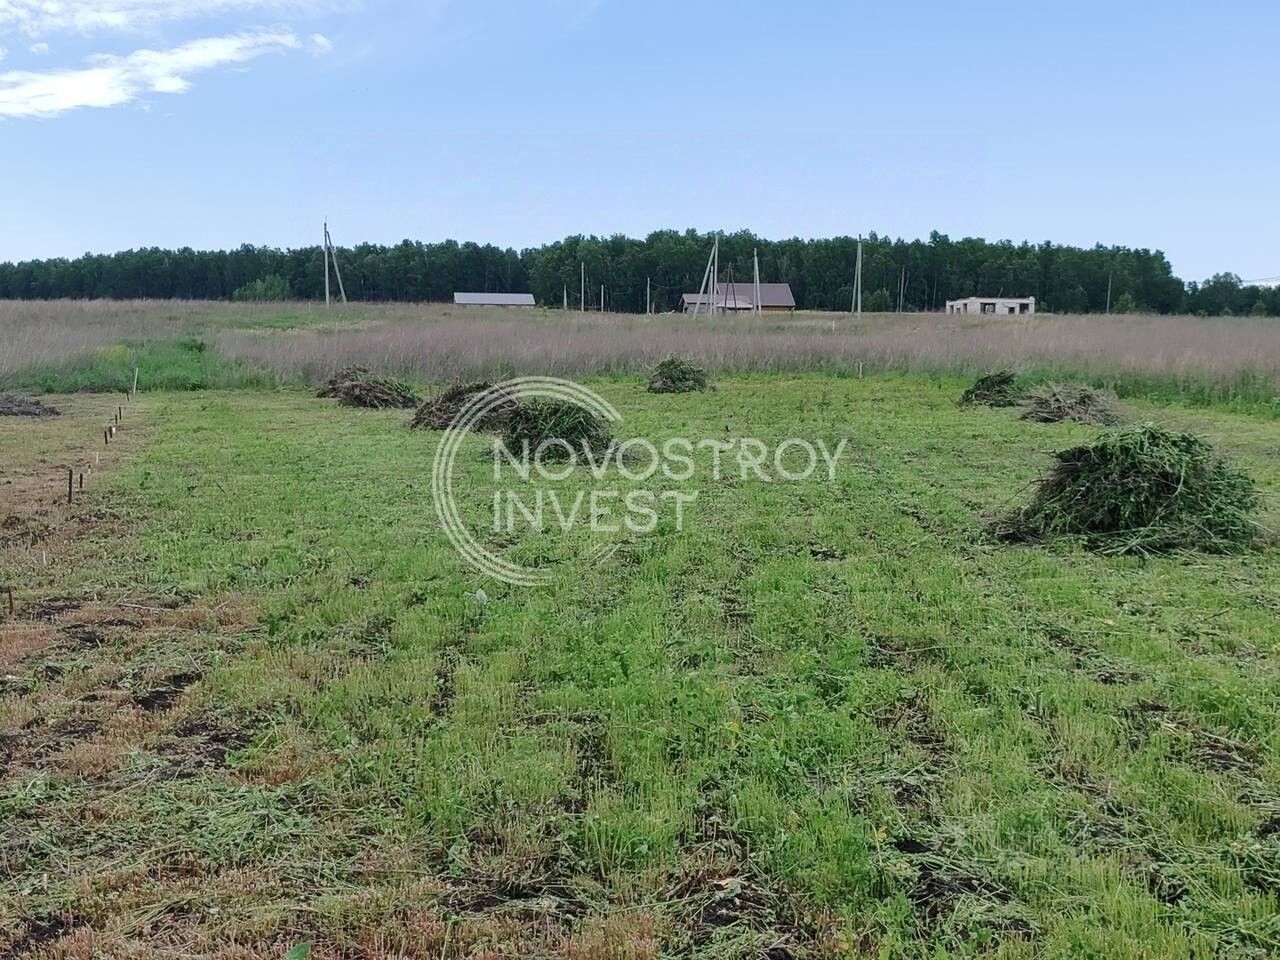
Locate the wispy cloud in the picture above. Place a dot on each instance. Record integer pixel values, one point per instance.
(42, 17)
(109, 81)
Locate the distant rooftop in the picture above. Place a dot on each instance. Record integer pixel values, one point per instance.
(742, 296)
(494, 299)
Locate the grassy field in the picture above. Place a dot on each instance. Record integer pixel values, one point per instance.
(252, 699)
(66, 346)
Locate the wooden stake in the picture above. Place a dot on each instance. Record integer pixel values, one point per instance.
(82, 482)
(106, 437)
(70, 482)
(10, 589)
(135, 380)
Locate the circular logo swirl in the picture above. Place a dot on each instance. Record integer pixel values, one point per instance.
(475, 410)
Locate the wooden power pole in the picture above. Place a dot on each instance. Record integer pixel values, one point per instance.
(857, 281)
(755, 293)
(330, 252)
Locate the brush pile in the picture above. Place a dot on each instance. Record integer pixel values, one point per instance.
(555, 430)
(16, 405)
(1058, 402)
(678, 375)
(360, 387)
(439, 412)
(999, 389)
(1141, 489)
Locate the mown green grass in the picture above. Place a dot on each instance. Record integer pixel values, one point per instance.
(934, 745)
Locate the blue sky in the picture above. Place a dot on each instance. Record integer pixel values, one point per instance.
(210, 123)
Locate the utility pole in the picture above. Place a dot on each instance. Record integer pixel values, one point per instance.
(648, 296)
(582, 287)
(715, 279)
(337, 271)
(857, 281)
(902, 284)
(566, 298)
(602, 298)
(329, 251)
(702, 290)
(1108, 293)
(755, 293)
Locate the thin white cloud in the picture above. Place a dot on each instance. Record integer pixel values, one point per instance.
(39, 49)
(3, 53)
(42, 17)
(109, 81)
(320, 44)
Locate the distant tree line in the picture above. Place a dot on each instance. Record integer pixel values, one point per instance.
(915, 274)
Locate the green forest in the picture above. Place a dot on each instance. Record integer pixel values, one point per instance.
(912, 275)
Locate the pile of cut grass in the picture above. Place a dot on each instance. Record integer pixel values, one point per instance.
(1059, 402)
(555, 430)
(439, 412)
(1141, 489)
(360, 387)
(678, 375)
(16, 405)
(999, 389)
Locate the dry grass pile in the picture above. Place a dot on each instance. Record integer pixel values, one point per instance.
(999, 389)
(439, 412)
(1059, 402)
(555, 430)
(1142, 489)
(360, 387)
(16, 405)
(678, 375)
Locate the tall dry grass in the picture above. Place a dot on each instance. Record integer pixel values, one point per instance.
(35, 333)
(443, 344)
(306, 342)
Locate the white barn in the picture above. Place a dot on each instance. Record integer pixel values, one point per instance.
(1001, 306)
